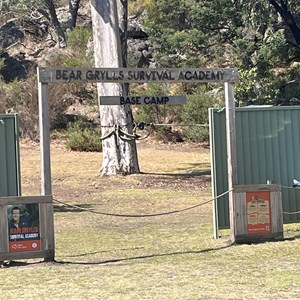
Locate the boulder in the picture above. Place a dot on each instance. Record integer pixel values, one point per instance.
(10, 34)
(15, 67)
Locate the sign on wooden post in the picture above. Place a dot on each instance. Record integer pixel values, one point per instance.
(142, 100)
(257, 213)
(130, 75)
(228, 76)
(26, 227)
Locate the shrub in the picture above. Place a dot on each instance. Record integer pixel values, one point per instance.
(159, 114)
(166, 134)
(21, 97)
(195, 114)
(80, 54)
(83, 138)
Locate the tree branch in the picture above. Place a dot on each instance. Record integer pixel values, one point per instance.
(288, 17)
(56, 24)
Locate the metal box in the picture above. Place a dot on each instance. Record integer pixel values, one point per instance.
(10, 182)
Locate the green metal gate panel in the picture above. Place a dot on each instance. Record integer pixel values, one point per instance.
(268, 148)
(9, 156)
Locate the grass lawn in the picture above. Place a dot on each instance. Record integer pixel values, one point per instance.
(168, 256)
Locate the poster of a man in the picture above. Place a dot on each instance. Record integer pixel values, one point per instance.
(16, 221)
(23, 227)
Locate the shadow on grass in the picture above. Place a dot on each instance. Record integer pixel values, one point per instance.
(204, 167)
(117, 260)
(70, 208)
(105, 251)
(180, 175)
(292, 238)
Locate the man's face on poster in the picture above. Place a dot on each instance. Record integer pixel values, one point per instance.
(16, 215)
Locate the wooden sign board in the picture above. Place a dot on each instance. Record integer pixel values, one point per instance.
(128, 75)
(228, 76)
(26, 228)
(257, 213)
(141, 100)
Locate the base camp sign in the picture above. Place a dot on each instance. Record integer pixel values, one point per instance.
(139, 100)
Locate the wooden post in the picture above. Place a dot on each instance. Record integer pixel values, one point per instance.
(44, 124)
(231, 151)
(46, 188)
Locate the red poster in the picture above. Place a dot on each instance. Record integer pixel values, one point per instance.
(258, 212)
(23, 227)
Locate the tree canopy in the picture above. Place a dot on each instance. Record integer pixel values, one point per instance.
(260, 38)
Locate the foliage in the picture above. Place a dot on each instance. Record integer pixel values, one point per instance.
(22, 7)
(77, 42)
(156, 113)
(21, 97)
(195, 115)
(254, 36)
(159, 114)
(79, 54)
(188, 32)
(257, 37)
(80, 137)
(291, 87)
(134, 7)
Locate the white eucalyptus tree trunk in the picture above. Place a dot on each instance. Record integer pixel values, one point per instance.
(119, 155)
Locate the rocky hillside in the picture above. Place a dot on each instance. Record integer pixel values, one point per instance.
(27, 42)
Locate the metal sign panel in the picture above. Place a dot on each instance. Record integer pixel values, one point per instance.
(141, 100)
(128, 75)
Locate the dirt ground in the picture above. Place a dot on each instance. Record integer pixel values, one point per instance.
(191, 173)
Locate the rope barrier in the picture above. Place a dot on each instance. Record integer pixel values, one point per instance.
(145, 215)
(162, 213)
(156, 124)
(181, 125)
(291, 213)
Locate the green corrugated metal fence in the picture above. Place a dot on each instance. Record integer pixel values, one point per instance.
(268, 148)
(9, 156)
